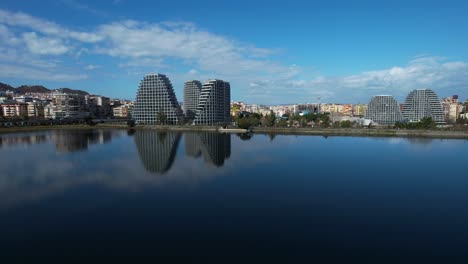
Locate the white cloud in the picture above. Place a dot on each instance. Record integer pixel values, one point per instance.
(170, 46)
(44, 45)
(445, 77)
(45, 27)
(91, 67)
(181, 41)
(193, 72)
(30, 73)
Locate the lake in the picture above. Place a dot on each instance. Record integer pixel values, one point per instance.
(124, 193)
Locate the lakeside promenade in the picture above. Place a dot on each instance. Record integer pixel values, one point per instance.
(359, 132)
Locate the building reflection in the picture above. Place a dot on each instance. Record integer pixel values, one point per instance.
(12, 140)
(157, 149)
(65, 140)
(214, 147)
(80, 140)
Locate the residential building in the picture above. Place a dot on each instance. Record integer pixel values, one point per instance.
(452, 108)
(360, 110)
(12, 110)
(423, 103)
(192, 91)
(383, 110)
(123, 111)
(156, 102)
(214, 103)
(310, 108)
(23, 99)
(69, 106)
(35, 109)
(348, 110)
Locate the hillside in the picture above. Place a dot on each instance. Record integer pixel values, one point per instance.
(5, 87)
(37, 89)
(73, 91)
(31, 89)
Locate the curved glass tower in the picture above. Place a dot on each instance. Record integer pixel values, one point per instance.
(191, 94)
(214, 104)
(156, 102)
(383, 110)
(423, 103)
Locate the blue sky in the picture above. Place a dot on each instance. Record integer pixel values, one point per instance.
(272, 52)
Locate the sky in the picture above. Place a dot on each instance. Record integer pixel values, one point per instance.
(272, 52)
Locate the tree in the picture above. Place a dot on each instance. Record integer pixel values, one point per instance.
(270, 119)
(89, 121)
(247, 121)
(162, 118)
(131, 123)
(282, 123)
(346, 124)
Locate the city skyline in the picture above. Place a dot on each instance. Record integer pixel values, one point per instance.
(338, 53)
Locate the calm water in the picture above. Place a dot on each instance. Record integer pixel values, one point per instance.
(113, 192)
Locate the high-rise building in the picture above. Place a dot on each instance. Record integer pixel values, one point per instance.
(423, 103)
(383, 110)
(214, 104)
(156, 102)
(192, 91)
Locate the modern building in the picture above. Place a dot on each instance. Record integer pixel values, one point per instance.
(383, 110)
(423, 103)
(192, 91)
(214, 104)
(156, 102)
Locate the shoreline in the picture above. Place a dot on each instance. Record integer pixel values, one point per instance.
(364, 132)
(403, 133)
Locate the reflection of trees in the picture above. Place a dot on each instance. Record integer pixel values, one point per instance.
(214, 147)
(245, 136)
(79, 140)
(422, 141)
(271, 136)
(157, 150)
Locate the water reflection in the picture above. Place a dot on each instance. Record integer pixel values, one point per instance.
(215, 148)
(65, 140)
(157, 150)
(245, 136)
(7, 140)
(79, 140)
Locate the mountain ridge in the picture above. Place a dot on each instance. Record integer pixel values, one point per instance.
(23, 89)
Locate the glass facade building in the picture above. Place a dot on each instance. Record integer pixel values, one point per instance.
(156, 100)
(383, 110)
(423, 103)
(192, 91)
(214, 104)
